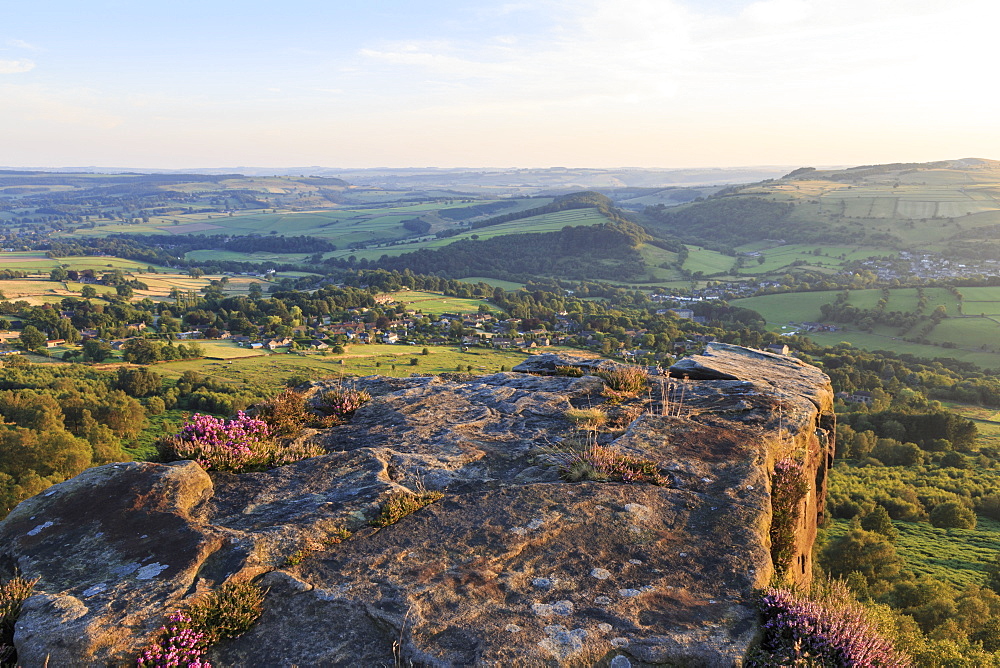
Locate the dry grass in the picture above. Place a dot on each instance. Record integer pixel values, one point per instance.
(586, 418)
(399, 505)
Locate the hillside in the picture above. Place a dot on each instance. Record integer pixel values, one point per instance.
(946, 206)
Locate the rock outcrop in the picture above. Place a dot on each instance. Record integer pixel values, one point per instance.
(513, 566)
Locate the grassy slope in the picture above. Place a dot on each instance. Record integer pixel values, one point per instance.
(971, 333)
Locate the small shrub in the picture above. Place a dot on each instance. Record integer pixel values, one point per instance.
(628, 380)
(342, 402)
(240, 444)
(952, 515)
(831, 631)
(399, 506)
(284, 414)
(599, 463)
(586, 418)
(788, 487)
(229, 611)
(570, 371)
(13, 593)
(177, 644)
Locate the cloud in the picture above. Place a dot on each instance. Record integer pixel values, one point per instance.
(778, 12)
(21, 44)
(16, 66)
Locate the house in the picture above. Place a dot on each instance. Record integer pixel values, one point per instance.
(52, 343)
(390, 337)
(685, 313)
(778, 348)
(318, 345)
(256, 345)
(858, 397)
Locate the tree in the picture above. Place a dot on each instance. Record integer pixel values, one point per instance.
(140, 382)
(88, 291)
(31, 338)
(952, 515)
(58, 274)
(870, 554)
(879, 522)
(96, 351)
(124, 291)
(141, 351)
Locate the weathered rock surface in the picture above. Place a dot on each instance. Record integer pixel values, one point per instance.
(512, 567)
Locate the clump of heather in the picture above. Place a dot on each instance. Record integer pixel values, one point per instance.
(341, 403)
(788, 487)
(601, 463)
(832, 631)
(239, 444)
(216, 443)
(178, 645)
(13, 593)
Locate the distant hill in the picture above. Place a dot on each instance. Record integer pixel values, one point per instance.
(934, 206)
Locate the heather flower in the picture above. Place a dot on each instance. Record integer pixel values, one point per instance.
(236, 444)
(178, 646)
(341, 403)
(788, 487)
(800, 631)
(601, 463)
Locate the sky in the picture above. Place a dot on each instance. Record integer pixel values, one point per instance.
(471, 83)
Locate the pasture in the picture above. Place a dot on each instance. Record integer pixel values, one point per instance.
(433, 303)
(549, 222)
(270, 371)
(975, 339)
(707, 261)
(40, 290)
(37, 262)
(509, 286)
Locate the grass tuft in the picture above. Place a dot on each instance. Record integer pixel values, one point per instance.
(626, 380)
(398, 506)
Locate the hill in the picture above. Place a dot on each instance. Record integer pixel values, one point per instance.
(947, 206)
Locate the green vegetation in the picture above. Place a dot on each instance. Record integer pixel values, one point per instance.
(399, 505)
(13, 593)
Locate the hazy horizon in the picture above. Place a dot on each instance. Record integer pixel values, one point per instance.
(664, 84)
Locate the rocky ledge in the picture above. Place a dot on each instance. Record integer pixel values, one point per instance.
(512, 566)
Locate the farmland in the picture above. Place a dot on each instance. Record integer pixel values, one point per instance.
(550, 222)
(970, 333)
(432, 303)
(269, 371)
(160, 285)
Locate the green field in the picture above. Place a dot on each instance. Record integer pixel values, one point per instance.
(434, 303)
(707, 261)
(956, 556)
(976, 339)
(549, 222)
(271, 370)
(37, 262)
(509, 286)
